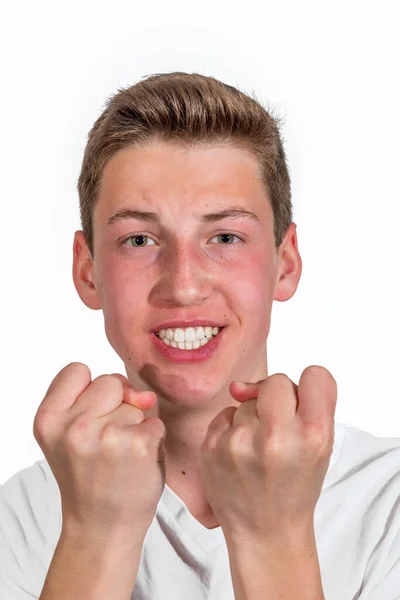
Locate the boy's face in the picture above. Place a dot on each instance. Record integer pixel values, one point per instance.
(183, 269)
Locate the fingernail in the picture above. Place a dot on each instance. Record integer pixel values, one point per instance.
(242, 383)
(147, 400)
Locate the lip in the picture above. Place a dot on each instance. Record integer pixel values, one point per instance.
(186, 323)
(186, 356)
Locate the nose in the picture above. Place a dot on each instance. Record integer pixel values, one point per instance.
(185, 275)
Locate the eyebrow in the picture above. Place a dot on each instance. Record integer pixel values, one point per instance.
(230, 211)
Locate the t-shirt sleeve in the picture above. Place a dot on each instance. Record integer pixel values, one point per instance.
(382, 576)
(27, 534)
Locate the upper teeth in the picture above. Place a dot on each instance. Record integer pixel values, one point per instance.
(190, 334)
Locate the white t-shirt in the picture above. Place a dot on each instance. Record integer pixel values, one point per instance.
(357, 530)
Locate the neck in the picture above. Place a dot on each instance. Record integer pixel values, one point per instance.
(186, 424)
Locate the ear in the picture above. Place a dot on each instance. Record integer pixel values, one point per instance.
(289, 266)
(83, 273)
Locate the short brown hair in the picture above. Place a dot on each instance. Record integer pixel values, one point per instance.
(184, 109)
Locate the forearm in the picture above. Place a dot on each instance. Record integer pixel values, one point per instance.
(82, 568)
(280, 570)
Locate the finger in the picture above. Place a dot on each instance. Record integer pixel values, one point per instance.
(246, 416)
(103, 396)
(277, 400)
(66, 387)
(222, 421)
(144, 399)
(317, 394)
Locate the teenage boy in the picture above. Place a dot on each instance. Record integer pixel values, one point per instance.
(178, 481)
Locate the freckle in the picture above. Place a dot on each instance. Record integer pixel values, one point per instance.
(183, 473)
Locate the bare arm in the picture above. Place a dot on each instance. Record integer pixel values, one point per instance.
(84, 568)
(109, 463)
(283, 569)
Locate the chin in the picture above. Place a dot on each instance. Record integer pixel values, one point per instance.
(185, 394)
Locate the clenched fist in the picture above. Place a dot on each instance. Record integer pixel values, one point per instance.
(108, 460)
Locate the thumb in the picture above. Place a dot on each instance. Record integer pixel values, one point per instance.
(143, 399)
(242, 390)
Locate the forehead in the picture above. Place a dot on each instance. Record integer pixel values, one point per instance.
(162, 177)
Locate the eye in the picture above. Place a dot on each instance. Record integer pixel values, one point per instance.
(138, 236)
(227, 235)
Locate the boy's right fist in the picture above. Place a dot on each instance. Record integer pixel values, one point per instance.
(108, 460)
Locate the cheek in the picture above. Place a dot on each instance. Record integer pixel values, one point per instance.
(124, 297)
(124, 328)
(254, 295)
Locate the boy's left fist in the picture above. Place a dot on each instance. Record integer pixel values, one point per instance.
(263, 463)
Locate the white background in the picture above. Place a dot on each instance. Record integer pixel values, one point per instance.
(332, 71)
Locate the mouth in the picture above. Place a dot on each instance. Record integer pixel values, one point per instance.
(187, 351)
(189, 339)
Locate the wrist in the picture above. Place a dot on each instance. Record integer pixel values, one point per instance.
(103, 541)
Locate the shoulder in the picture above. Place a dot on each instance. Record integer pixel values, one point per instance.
(362, 451)
(30, 512)
(366, 469)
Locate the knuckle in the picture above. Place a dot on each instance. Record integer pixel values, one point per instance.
(239, 436)
(144, 444)
(77, 436)
(104, 377)
(154, 428)
(278, 379)
(39, 428)
(275, 445)
(110, 382)
(210, 444)
(279, 376)
(41, 421)
(137, 416)
(319, 440)
(315, 434)
(120, 378)
(142, 447)
(148, 435)
(111, 436)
